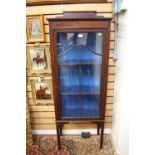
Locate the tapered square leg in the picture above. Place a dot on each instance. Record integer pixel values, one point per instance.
(101, 138)
(61, 125)
(98, 129)
(58, 136)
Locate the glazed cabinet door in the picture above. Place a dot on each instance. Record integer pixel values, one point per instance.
(79, 57)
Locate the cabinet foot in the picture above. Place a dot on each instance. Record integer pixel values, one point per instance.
(101, 138)
(58, 136)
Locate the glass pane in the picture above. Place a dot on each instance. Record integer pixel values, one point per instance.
(91, 78)
(90, 106)
(70, 106)
(79, 60)
(67, 50)
(69, 79)
(79, 47)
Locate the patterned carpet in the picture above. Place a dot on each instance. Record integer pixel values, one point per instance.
(71, 145)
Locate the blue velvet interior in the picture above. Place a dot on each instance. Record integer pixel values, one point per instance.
(79, 75)
(70, 106)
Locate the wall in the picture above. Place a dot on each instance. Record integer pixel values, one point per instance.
(120, 108)
(43, 117)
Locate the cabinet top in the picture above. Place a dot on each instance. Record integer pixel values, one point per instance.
(78, 15)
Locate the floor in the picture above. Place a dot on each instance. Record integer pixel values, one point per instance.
(71, 145)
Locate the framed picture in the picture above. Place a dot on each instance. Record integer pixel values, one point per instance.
(35, 28)
(42, 91)
(38, 59)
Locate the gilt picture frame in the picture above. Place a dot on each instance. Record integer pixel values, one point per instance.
(38, 59)
(42, 92)
(35, 28)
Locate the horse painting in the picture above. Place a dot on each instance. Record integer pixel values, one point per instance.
(41, 93)
(38, 60)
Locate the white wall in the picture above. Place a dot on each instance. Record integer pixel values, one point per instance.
(120, 107)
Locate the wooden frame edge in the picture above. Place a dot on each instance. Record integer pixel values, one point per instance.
(55, 2)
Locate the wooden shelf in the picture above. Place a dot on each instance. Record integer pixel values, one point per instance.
(74, 64)
(84, 62)
(80, 93)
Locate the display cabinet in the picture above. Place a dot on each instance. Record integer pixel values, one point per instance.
(79, 55)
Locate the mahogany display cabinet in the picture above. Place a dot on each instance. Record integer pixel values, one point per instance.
(79, 55)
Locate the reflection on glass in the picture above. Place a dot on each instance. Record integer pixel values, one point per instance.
(79, 60)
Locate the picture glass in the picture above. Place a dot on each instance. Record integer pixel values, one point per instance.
(38, 59)
(34, 27)
(43, 90)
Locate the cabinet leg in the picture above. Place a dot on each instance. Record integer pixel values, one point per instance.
(98, 129)
(58, 136)
(61, 129)
(101, 138)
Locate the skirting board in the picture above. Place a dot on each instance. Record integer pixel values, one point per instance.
(69, 132)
